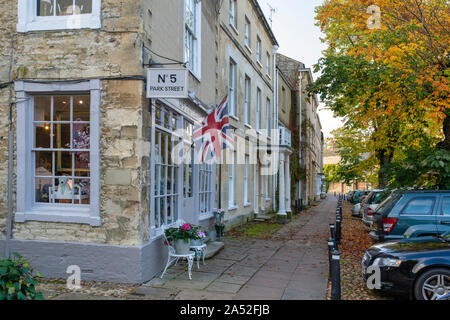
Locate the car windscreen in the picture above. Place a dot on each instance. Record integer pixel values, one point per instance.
(388, 204)
(378, 197)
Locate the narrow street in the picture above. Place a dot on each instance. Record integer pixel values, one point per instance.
(291, 266)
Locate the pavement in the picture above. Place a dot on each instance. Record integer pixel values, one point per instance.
(292, 265)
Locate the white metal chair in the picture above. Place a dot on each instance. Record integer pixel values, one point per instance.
(174, 257)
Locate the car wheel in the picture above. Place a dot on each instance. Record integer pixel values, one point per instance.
(432, 284)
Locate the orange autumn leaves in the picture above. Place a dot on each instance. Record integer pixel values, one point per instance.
(410, 44)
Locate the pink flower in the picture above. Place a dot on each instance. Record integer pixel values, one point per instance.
(186, 227)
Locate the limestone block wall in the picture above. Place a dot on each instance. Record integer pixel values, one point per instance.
(114, 51)
(124, 150)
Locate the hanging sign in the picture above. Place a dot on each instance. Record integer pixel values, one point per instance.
(167, 83)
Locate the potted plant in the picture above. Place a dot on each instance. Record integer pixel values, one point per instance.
(219, 225)
(199, 238)
(181, 237)
(220, 228)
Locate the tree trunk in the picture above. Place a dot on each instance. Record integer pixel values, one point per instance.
(384, 157)
(446, 128)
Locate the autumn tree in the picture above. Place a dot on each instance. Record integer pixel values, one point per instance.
(386, 72)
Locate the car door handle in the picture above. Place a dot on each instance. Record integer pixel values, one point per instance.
(444, 222)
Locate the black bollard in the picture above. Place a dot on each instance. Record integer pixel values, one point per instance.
(338, 230)
(331, 247)
(336, 275)
(332, 231)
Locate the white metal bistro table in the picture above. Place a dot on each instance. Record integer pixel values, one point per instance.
(200, 251)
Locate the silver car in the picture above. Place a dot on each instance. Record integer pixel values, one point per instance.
(372, 201)
(355, 209)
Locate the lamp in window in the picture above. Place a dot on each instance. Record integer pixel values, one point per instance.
(73, 10)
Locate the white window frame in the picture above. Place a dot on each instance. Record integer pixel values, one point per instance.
(258, 109)
(29, 21)
(233, 14)
(268, 64)
(247, 33)
(196, 68)
(206, 172)
(247, 97)
(246, 181)
(232, 87)
(231, 181)
(268, 103)
(258, 49)
(27, 209)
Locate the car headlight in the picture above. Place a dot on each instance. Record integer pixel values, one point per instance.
(386, 262)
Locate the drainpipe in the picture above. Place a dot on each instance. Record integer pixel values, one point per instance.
(10, 158)
(275, 123)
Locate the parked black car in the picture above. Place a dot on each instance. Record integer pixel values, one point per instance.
(419, 268)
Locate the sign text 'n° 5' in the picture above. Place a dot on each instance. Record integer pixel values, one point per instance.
(167, 83)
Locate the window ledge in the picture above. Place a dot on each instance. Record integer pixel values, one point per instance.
(248, 204)
(64, 215)
(248, 49)
(248, 126)
(61, 23)
(206, 216)
(232, 208)
(234, 117)
(259, 63)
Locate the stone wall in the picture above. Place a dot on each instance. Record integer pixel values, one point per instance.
(124, 149)
(115, 50)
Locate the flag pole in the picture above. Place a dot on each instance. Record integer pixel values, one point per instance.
(220, 186)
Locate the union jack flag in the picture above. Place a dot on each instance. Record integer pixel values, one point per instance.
(214, 134)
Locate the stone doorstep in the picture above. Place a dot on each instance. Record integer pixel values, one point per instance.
(214, 248)
(263, 217)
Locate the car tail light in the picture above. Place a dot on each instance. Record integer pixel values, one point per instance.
(389, 224)
(369, 212)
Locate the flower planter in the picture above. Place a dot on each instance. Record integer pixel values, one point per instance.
(196, 242)
(220, 230)
(181, 247)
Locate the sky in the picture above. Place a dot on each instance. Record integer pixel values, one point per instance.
(299, 38)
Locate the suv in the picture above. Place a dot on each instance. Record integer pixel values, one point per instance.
(425, 210)
(371, 203)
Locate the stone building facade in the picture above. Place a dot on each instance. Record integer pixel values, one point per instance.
(311, 143)
(245, 73)
(285, 118)
(93, 182)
